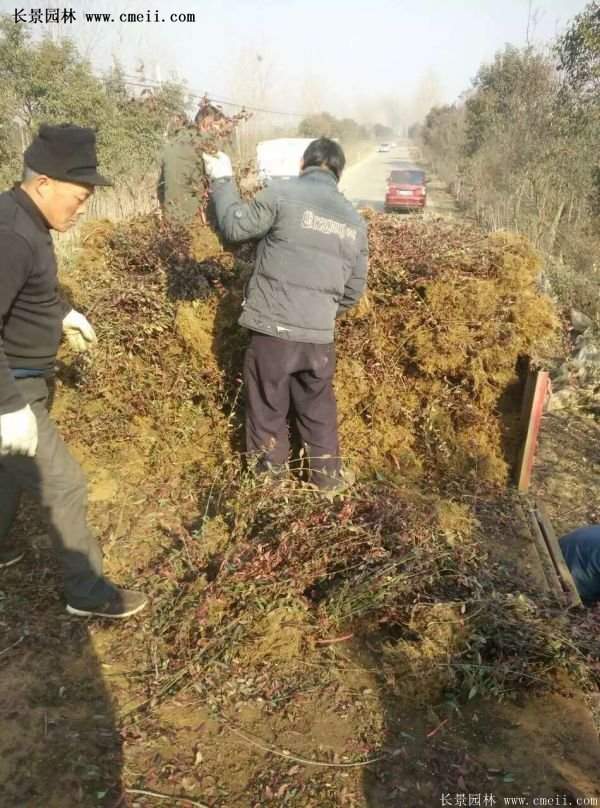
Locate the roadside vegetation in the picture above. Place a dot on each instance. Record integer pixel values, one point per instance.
(50, 82)
(521, 152)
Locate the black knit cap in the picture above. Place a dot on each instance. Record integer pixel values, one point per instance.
(65, 152)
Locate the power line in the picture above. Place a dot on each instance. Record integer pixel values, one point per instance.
(258, 109)
(150, 84)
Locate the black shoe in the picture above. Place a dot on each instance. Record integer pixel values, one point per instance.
(9, 556)
(123, 603)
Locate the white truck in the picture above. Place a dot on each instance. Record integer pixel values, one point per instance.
(280, 158)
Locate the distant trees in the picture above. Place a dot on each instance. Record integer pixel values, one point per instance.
(346, 130)
(382, 132)
(518, 172)
(442, 134)
(522, 150)
(578, 52)
(320, 124)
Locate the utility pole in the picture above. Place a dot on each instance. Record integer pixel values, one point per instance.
(533, 15)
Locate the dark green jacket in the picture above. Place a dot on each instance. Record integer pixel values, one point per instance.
(311, 261)
(182, 170)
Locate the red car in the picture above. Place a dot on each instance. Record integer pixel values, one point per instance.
(406, 190)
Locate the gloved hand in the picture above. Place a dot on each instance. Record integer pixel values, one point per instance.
(78, 331)
(19, 432)
(218, 166)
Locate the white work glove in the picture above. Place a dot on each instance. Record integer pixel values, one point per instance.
(218, 166)
(78, 331)
(18, 432)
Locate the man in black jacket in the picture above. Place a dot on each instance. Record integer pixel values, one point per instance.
(311, 266)
(59, 178)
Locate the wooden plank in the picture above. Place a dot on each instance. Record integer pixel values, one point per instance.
(534, 419)
(545, 557)
(541, 573)
(558, 559)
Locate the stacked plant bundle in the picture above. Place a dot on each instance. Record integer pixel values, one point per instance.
(162, 300)
(262, 576)
(216, 137)
(428, 376)
(279, 576)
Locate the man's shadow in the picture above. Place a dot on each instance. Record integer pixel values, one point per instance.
(59, 739)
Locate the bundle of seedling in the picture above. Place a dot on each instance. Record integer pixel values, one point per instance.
(248, 574)
(431, 365)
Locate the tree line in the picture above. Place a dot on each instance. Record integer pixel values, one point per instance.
(521, 151)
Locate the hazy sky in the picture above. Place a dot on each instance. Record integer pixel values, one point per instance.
(347, 53)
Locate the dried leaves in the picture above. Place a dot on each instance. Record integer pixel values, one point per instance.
(421, 373)
(427, 379)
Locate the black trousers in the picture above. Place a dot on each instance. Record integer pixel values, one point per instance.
(277, 374)
(56, 480)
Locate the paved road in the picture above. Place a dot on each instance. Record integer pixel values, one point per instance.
(364, 183)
